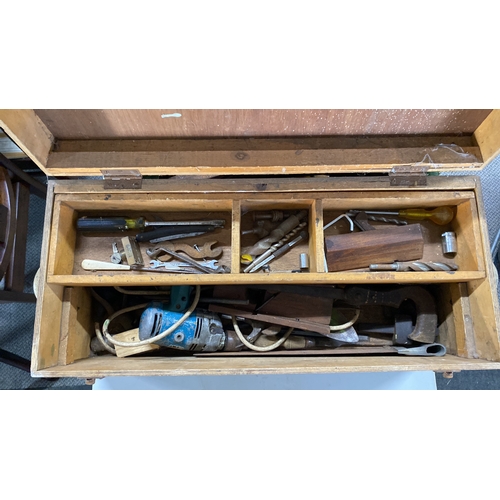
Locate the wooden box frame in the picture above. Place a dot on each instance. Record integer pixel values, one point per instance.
(469, 309)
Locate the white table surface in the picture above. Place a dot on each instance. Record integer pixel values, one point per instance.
(337, 381)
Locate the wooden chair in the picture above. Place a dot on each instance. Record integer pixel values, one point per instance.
(15, 189)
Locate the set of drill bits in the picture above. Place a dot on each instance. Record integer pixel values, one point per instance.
(275, 241)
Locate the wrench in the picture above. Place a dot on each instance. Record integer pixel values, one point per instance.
(205, 251)
(210, 264)
(197, 265)
(422, 350)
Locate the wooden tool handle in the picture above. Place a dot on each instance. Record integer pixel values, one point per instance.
(99, 265)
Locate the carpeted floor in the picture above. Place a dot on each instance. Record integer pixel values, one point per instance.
(16, 325)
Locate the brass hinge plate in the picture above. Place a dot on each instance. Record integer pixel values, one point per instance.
(408, 176)
(122, 179)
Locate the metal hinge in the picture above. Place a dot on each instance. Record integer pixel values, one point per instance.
(408, 175)
(122, 179)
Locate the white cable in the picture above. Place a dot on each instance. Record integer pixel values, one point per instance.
(161, 335)
(254, 347)
(98, 334)
(348, 324)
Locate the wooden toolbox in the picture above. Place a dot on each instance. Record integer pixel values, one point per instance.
(227, 163)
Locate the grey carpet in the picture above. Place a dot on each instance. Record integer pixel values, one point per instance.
(16, 320)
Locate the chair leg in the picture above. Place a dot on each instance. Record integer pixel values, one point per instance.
(15, 360)
(7, 296)
(14, 278)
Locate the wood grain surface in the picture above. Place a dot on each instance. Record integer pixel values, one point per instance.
(379, 246)
(140, 123)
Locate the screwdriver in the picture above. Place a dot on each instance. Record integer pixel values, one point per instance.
(104, 224)
(440, 215)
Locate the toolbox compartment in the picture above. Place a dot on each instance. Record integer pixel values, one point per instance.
(467, 298)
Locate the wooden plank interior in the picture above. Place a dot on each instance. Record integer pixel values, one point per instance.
(487, 136)
(466, 227)
(295, 143)
(26, 129)
(483, 299)
(316, 238)
(105, 366)
(76, 325)
(236, 237)
(63, 238)
(47, 330)
(262, 162)
(462, 321)
(49, 301)
(258, 186)
(340, 278)
(140, 123)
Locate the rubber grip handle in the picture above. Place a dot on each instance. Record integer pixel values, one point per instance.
(102, 224)
(171, 230)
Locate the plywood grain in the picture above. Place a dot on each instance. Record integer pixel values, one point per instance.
(105, 366)
(140, 123)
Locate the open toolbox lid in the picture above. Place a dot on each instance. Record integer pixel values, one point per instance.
(84, 142)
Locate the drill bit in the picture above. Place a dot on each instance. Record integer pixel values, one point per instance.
(414, 266)
(275, 247)
(398, 222)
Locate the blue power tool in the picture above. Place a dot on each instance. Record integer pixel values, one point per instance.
(202, 330)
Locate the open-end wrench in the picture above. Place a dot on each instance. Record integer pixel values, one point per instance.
(194, 263)
(422, 350)
(195, 252)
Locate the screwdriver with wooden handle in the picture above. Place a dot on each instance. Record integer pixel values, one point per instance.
(105, 224)
(440, 215)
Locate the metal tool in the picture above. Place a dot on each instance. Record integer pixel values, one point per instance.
(398, 222)
(277, 234)
(261, 228)
(209, 264)
(273, 247)
(423, 350)
(304, 262)
(400, 331)
(177, 237)
(109, 224)
(440, 216)
(200, 332)
(449, 244)
(278, 253)
(414, 266)
(117, 256)
(195, 252)
(427, 350)
(163, 233)
(272, 215)
(425, 327)
(98, 265)
(194, 263)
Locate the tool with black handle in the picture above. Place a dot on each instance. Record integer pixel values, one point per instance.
(113, 224)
